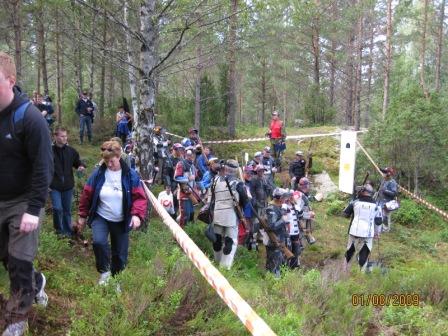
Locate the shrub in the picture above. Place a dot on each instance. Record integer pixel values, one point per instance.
(410, 213)
(335, 207)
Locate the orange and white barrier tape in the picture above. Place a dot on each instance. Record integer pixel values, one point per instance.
(417, 198)
(289, 137)
(233, 300)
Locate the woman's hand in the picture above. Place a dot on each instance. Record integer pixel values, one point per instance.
(135, 222)
(80, 224)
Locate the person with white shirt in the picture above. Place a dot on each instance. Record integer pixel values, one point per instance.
(113, 202)
(165, 198)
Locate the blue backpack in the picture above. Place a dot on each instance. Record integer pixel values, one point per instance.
(17, 120)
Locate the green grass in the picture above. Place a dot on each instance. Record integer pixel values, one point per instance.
(163, 294)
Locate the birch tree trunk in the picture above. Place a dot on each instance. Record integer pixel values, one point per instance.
(145, 116)
(131, 70)
(440, 45)
(388, 58)
(232, 69)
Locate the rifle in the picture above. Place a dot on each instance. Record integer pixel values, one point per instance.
(237, 207)
(292, 259)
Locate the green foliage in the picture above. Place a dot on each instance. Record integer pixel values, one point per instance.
(317, 109)
(335, 207)
(409, 213)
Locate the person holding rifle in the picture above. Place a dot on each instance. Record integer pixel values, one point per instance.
(277, 220)
(229, 197)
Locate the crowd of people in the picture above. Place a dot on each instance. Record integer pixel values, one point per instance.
(244, 205)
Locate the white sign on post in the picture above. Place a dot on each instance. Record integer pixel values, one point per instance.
(347, 161)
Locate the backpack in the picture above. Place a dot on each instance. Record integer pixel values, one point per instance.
(17, 120)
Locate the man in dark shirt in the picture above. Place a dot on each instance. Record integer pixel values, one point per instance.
(65, 159)
(26, 167)
(84, 109)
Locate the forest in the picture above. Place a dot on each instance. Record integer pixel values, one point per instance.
(223, 67)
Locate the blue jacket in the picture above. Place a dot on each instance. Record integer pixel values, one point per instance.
(134, 197)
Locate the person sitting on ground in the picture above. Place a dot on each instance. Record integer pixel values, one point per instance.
(297, 169)
(65, 158)
(388, 191)
(113, 202)
(165, 198)
(365, 215)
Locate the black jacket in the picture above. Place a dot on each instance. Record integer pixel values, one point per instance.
(81, 107)
(65, 159)
(26, 159)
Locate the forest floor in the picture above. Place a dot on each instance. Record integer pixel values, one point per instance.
(163, 294)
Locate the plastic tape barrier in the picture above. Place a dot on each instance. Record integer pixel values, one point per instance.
(442, 213)
(233, 300)
(289, 137)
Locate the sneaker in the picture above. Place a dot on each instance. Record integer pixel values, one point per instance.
(104, 278)
(16, 329)
(41, 297)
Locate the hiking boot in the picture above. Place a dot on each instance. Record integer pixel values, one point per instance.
(41, 297)
(16, 329)
(104, 278)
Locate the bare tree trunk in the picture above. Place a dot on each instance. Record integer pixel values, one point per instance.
(92, 47)
(131, 70)
(440, 45)
(58, 70)
(263, 92)
(349, 82)
(103, 70)
(332, 71)
(148, 61)
(232, 68)
(359, 46)
(369, 76)
(17, 25)
(423, 48)
(42, 50)
(315, 46)
(388, 64)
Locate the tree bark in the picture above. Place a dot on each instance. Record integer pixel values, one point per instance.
(440, 45)
(369, 76)
(16, 19)
(58, 70)
(232, 69)
(42, 50)
(315, 47)
(423, 48)
(131, 70)
(349, 81)
(103, 70)
(263, 92)
(148, 61)
(358, 78)
(332, 71)
(388, 64)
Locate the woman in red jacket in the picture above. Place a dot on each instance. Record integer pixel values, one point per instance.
(113, 202)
